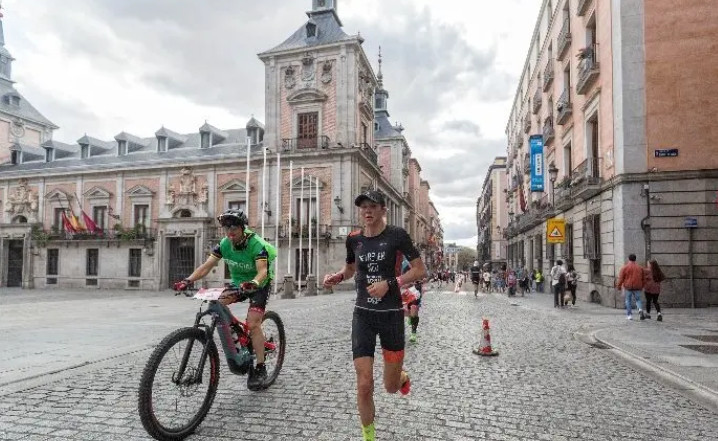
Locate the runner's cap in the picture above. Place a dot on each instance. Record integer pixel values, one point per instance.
(370, 195)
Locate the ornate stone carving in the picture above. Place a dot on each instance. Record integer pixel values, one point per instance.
(170, 197)
(188, 183)
(327, 72)
(308, 69)
(184, 195)
(289, 79)
(22, 200)
(17, 128)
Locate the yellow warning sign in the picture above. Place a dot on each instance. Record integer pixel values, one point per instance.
(556, 230)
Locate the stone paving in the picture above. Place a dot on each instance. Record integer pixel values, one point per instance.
(544, 385)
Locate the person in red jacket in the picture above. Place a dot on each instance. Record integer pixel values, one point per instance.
(630, 278)
(652, 278)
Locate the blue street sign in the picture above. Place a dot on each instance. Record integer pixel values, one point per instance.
(537, 168)
(690, 222)
(665, 153)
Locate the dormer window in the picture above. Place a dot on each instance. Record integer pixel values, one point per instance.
(161, 144)
(84, 151)
(15, 100)
(205, 139)
(311, 30)
(15, 157)
(49, 155)
(121, 148)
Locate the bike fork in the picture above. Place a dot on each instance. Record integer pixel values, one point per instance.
(188, 350)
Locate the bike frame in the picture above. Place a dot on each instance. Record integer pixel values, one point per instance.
(222, 316)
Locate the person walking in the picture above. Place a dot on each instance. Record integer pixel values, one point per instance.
(652, 278)
(572, 280)
(539, 279)
(558, 283)
(630, 278)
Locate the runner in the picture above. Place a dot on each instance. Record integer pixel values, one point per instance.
(374, 254)
(476, 277)
(487, 281)
(411, 299)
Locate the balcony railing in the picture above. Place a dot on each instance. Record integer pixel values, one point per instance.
(537, 101)
(586, 179)
(562, 199)
(564, 38)
(548, 74)
(294, 144)
(564, 108)
(588, 69)
(123, 235)
(548, 131)
(527, 123)
(370, 152)
(583, 6)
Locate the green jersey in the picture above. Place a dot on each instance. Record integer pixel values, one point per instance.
(243, 263)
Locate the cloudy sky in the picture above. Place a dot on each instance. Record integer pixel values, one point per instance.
(103, 66)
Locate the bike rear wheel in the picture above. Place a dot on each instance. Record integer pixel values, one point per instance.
(172, 408)
(273, 330)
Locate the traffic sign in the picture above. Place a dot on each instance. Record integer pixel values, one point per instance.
(556, 230)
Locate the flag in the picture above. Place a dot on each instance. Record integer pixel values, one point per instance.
(66, 224)
(76, 224)
(522, 199)
(91, 225)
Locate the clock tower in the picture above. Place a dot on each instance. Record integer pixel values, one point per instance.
(324, 5)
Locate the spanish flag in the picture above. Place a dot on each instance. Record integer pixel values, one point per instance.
(76, 224)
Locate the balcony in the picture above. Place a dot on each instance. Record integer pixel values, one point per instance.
(583, 7)
(295, 144)
(564, 38)
(527, 123)
(369, 152)
(548, 75)
(588, 69)
(548, 131)
(537, 101)
(564, 109)
(586, 179)
(527, 163)
(131, 235)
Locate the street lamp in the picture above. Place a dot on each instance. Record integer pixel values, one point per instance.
(552, 175)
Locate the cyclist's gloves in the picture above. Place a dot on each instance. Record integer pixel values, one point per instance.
(183, 285)
(250, 286)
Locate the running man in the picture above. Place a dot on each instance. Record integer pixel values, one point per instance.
(411, 299)
(476, 277)
(374, 255)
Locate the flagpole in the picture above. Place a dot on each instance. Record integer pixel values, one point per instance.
(316, 186)
(309, 227)
(276, 227)
(289, 249)
(246, 180)
(301, 233)
(264, 187)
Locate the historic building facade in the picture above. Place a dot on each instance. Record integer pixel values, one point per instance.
(491, 216)
(150, 202)
(628, 156)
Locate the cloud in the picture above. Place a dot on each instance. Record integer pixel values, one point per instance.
(464, 126)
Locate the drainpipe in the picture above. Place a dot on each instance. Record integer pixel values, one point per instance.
(646, 221)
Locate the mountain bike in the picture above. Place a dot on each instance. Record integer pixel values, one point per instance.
(178, 386)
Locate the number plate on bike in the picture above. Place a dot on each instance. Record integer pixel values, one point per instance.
(209, 293)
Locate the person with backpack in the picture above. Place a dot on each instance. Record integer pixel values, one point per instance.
(653, 276)
(572, 280)
(558, 284)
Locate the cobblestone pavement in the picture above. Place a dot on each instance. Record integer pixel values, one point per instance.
(544, 385)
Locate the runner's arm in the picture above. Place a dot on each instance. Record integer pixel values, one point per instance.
(203, 269)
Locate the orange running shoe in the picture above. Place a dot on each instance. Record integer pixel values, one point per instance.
(406, 385)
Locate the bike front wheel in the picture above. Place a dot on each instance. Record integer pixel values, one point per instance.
(273, 330)
(172, 407)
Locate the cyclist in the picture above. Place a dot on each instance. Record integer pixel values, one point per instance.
(375, 254)
(249, 258)
(476, 277)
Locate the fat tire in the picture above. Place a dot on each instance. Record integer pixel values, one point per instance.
(272, 376)
(144, 406)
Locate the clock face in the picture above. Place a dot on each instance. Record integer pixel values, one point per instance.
(17, 130)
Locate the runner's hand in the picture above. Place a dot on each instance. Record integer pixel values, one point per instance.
(378, 290)
(181, 286)
(332, 279)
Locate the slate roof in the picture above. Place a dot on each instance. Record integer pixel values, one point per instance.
(384, 127)
(329, 30)
(24, 110)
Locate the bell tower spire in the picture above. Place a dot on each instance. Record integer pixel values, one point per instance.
(381, 96)
(6, 58)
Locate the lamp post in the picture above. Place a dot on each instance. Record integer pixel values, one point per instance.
(552, 175)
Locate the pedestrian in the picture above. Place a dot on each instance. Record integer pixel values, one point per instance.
(630, 278)
(652, 278)
(526, 282)
(511, 282)
(572, 280)
(539, 279)
(558, 283)
(476, 277)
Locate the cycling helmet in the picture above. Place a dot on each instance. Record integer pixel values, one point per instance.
(233, 218)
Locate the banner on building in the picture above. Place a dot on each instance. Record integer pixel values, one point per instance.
(537, 168)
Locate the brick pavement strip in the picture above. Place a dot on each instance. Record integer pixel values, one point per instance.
(545, 385)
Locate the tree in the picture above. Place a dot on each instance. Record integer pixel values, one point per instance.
(465, 258)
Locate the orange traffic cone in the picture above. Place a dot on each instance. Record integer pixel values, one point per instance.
(485, 347)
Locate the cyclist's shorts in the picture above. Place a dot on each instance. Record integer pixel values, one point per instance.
(257, 300)
(389, 326)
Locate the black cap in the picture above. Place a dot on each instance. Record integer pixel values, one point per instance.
(370, 195)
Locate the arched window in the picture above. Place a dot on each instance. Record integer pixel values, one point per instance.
(19, 220)
(183, 213)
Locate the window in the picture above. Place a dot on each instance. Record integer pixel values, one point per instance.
(142, 216)
(568, 245)
(135, 267)
(237, 205)
(311, 30)
(53, 259)
(307, 215)
(305, 270)
(592, 243)
(205, 140)
(98, 216)
(593, 153)
(550, 254)
(15, 157)
(93, 257)
(121, 148)
(84, 151)
(567, 166)
(57, 219)
(566, 96)
(49, 155)
(364, 135)
(162, 144)
(308, 129)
